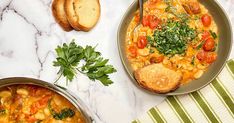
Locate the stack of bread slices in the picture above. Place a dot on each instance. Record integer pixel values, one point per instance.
(81, 15)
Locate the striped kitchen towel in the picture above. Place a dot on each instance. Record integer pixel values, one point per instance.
(213, 104)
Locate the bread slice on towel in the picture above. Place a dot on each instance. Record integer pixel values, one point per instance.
(60, 15)
(157, 78)
(82, 14)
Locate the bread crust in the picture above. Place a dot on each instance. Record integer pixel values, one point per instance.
(70, 14)
(73, 16)
(82, 27)
(59, 14)
(142, 83)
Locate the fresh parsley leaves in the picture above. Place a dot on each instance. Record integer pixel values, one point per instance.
(95, 67)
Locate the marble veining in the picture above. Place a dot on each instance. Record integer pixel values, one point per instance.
(29, 35)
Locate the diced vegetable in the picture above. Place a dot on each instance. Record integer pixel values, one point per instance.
(194, 7)
(145, 21)
(133, 51)
(201, 55)
(206, 57)
(206, 20)
(209, 44)
(31, 119)
(205, 35)
(142, 42)
(157, 59)
(211, 57)
(150, 20)
(39, 104)
(44, 100)
(153, 22)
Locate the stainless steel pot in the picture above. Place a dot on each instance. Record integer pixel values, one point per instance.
(76, 101)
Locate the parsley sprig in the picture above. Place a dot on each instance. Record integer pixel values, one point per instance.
(94, 66)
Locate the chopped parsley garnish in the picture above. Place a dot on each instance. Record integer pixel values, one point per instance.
(173, 37)
(200, 45)
(213, 34)
(95, 66)
(193, 60)
(151, 51)
(64, 113)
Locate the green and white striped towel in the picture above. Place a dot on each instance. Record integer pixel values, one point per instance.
(214, 103)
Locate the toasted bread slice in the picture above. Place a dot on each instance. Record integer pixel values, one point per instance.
(71, 14)
(59, 14)
(158, 78)
(82, 14)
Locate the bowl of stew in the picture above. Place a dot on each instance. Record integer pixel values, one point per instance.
(35, 101)
(191, 38)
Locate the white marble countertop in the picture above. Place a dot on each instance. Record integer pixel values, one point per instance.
(29, 35)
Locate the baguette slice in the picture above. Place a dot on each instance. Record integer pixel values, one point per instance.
(82, 14)
(158, 78)
(70, 14)
(60, 15)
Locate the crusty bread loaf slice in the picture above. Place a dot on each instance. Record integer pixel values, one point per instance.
(71, 14)
(59, 14)
(158, 78)
(82, 14)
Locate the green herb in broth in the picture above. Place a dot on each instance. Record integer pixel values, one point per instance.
(173, 37)
(64, 113)
(171, 9)
(200, 45)
(213, 34)
(193, 60)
